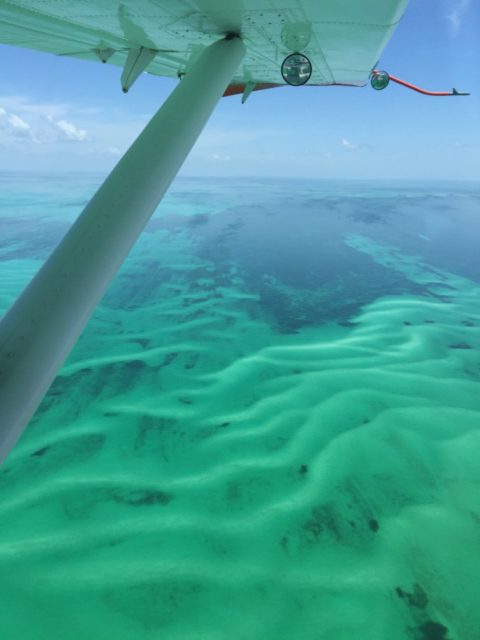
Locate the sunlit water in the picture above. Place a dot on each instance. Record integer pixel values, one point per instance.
(270, 428)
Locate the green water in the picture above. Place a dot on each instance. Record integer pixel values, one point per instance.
(269, 429)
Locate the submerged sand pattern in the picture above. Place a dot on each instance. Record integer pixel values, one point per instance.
(195, 473)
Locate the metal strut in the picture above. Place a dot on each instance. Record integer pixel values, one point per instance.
(39, 330)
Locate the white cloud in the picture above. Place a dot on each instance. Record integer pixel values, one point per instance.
(13, 128)
(18, 123)
(102, 151)
(347, 144)
(114, 151)
(218, 157)
(20, 120)
(352, 146)
(24, 105)
(455, 15)
(45, 134)
(461, 146)
(70, 131)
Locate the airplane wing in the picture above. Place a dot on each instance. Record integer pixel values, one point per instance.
(343, 38)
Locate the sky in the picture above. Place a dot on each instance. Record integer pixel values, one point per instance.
(63, 114)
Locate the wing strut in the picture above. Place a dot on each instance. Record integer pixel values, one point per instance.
(39, 330)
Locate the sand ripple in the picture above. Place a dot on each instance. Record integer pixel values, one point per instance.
(193, 474)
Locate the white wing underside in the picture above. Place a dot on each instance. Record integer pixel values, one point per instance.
(343, 38)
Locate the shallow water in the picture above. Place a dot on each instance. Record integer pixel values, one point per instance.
(270, 427)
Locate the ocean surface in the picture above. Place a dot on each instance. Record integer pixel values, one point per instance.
(270, 428)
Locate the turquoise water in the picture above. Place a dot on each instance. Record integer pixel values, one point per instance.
(269, 429)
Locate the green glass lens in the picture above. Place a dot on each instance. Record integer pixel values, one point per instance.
(380, 80)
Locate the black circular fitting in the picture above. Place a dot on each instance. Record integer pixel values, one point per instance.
(296, 69)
